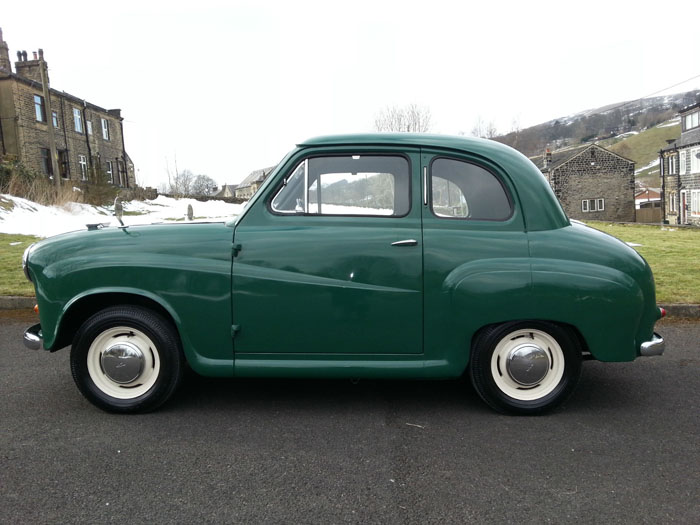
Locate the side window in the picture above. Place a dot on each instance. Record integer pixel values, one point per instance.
(347, 185)
(462, 190)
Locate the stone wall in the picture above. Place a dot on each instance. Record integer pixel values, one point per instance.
(596, 173)
(26, 137)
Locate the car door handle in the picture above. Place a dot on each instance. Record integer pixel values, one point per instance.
(407, 242)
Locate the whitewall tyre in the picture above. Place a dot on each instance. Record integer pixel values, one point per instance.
(127, 359)
(526, 367)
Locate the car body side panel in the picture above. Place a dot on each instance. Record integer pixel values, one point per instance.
(186, 269)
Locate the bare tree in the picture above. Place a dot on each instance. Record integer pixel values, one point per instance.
(485, 130)
(203, 185)
(411, 118)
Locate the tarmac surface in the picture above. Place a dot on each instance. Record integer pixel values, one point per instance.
(624, 449)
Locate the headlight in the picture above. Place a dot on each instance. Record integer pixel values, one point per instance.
(25, 259)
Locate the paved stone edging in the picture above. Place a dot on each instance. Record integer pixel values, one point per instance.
(9, 302)
(13, 302)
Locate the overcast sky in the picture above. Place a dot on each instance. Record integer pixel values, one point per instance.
(229, 87)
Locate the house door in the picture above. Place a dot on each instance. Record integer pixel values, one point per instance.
(684, 207)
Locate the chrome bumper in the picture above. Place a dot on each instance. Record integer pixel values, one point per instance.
(33, 338)
(654, 347)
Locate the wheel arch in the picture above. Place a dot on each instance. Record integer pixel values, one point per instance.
(573, 330)
(81, 308)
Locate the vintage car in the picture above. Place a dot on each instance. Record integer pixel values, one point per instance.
(397, 256)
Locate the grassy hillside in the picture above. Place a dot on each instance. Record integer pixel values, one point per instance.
(644, 147)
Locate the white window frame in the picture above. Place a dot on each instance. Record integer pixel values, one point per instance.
(39, 108)
(82, 162)
(673, 165)
(695, 203)
(682, 162)
(105, 129)
(77, 120)
(110, 172)
(695, 160)
(88, 126)
(591, 205)
(672, 208)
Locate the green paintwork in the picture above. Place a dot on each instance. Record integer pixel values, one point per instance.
(320, 296)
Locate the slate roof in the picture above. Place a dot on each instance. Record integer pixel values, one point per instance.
(562, 156)
(256, 176)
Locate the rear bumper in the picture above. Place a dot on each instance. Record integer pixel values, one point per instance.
(656, 346)
(33, 338)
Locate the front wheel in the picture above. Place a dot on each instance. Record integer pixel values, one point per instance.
(525, 367)
(126, 359)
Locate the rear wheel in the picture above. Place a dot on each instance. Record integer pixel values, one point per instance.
(127, 359)
(525, 367)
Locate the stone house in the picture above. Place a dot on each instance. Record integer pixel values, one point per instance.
(88, 140)
(227, 191)
(248, 186)
(591, 182)
(680, 171)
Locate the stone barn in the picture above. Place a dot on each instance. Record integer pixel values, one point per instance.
(591, 182)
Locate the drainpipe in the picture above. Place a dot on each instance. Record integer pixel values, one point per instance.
(2, 140)
(65, 139)
(49, 118)
(664, 220)
(87, 141)
(126, 166)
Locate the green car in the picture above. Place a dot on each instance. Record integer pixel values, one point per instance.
(395, 256)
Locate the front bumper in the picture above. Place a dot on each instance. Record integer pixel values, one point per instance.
(33, 338)
(656, 346)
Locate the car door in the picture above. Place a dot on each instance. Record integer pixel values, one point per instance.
(475, 249)
(329, 259)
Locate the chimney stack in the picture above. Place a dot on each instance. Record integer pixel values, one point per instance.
(31, 69)
(5, 63)
(547, 157)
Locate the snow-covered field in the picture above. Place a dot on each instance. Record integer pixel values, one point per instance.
(21, 216)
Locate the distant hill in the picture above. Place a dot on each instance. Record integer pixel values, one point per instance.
(635, 129)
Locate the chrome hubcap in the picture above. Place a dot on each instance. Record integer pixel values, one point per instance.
(527, 364)
(122, 362)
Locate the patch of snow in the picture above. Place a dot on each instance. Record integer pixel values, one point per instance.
(628, 134)
(29, 218)
(669, 123)
(652, 164)
(633, 244)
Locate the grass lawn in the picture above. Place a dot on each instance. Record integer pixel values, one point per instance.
(12, 279)
(672, 253)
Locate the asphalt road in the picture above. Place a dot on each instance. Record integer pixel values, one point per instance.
(624, 449)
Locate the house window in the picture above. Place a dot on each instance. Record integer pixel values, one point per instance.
(588, 205)
(682, 162)
(46, 165)
(54, 119)
(695, 203)
(672, 202)
(692, 120)
(77, 120)
(82, 162)
(110, 172)
(88, 125)
(39, 108)
(63, 163)
(673, 165)
(695, 160)
(105, 129)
